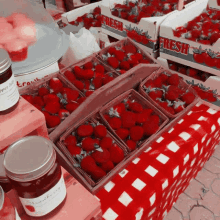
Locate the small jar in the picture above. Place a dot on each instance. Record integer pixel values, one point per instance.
(9, 95)
(34, 173)
(4, 181)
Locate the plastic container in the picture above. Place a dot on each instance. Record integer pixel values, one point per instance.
(133, 95)
(35, 175)
(80, 174)
(4, 181)
(9, 95)
(182, 85)
(30, 28)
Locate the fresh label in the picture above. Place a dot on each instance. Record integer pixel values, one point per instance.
(47, 202)
(9, 94)
(112, 23)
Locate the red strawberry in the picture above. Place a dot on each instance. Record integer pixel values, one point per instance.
(192, 72)
(88, 65)
(46, 115)
(120, 55)
(43, 91)
(173, 67)
(153, 119)
(78, 72)
(100, 131)
(211, 97)
(88, 144)
(133, 61)
(74, 150)
(198, 55)
(106, 117)
(88, 93)
(78, 84)
(70, 95)
(129, 48)
(188, 98)
(136, 133)
(107, 166)
(81, 100)
(171, 95)
(106, 143)
(124, 15)
(115, 123)
(139, 56)
(157, 82)
(131, 144)
(136, 107)
(97, 10)
(29, 98)
(50, 98)
(37, 106)
(69, 75)
(87, 84)
(52, 107)
(116, 154)
(111, 50)
(115, 13)
(72, 106)
(85, 130)
(88, 74)
(120, 108)
(178, 106)
(97, 173)
(56, 85)
(88, 164)
(128, 119)
(150, 128)
(38, 101)
(173, 80)
(100, 68)
(155, 94)
(125, 65)
(113, 62)
(143, 116)
(149, 84)
(97, 82)
(70, 140)
(182, 70)
(63, 113)
(101, 157)
(53, 121)
(107, 79)
(122, 133)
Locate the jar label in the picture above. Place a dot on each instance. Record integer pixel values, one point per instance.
(47, 202)
(9, 94)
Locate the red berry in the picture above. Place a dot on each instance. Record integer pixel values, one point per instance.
(100, 131)
(43, 91)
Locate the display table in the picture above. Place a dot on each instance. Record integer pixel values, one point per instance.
(148, 187)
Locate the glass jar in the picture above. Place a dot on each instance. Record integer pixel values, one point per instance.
(4, 181)
(34, 173)
(9, 95)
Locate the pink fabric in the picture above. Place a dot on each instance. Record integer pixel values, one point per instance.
(152, 183)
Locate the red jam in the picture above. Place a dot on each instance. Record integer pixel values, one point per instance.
(36, 176)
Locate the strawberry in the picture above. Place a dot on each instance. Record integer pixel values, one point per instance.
(173, 67)
(188, 98)
(136, 133)
(113, 62)
(111, 50)
(139, 56)
(78, 72)
(70, 95)
(53, 121)
(150, 128)
(88, 144)
(157, 82)
(116, 154)
(37, 106)
(124, 15)
(29, 98)
(56, 85)
(107, 166)
(178, 106)
(107, 117)
(122, 133)
(46, 115)
(198, 55)
(155, 94)
(97, 173)
(101, 157)
(133, 61)
(70, 76)
(72, 106)
(50, 98)
(88, 93)
(88, 164)
(43, 91)
(143, 116)
(100, 68)
(97, 82)
(115, 123)
(182, 70)
(70, 140)
(136, 107)
(81, 100)
(87, 84)
(171, 95)
(52, 107)
(63, 113)
(97, 10)
(85, 130)
(115, 12)
(192, 72)
(74, 150)
(88, 65)
(87, 74)
(211, 97)
(38, 101)
(100, 131)
(173, 80)
(128, 119)
(120, 55)
(153, 119)
(119, 108)
(131, 144)
(125, 65)
(78, 84)
(129, 48)
(106, 143)
(122, 71)
(107, 79)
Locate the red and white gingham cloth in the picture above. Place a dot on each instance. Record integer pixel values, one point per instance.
(148, 187)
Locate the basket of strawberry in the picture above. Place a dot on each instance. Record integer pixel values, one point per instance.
(124, 55)
(93, 151)
(169, 93)
(132, 119)
(89, 75)
(55, 97)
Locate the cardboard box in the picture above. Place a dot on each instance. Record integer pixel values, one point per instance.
(212, 82)
(182, 50)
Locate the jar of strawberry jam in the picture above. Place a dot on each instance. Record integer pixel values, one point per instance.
(9, 95)
(34, 173)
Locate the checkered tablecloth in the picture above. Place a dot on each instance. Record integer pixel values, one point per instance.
(148, 187)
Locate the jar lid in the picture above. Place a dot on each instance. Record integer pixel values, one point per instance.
(29, 158)
(5, 61)
(3, 177)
